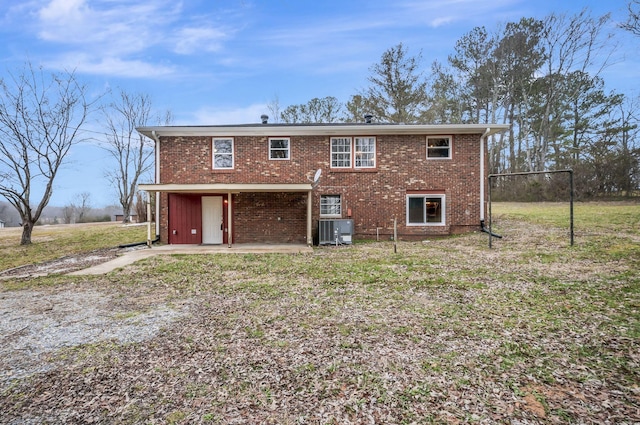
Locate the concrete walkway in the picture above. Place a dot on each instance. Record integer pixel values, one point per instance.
(139, 254)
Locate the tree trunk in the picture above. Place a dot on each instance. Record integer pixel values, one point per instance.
(27, 229)
(126, 212)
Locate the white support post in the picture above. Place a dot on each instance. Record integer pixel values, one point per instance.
(149, 224)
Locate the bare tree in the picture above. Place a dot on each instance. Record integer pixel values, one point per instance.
(629, 146)
(41, 117)
(141, 206)
(578, 43)
(274, 108)
(132, 151)
(3, 209)
(68, 214)
(77, 210)
(633, 22)
(82, 206)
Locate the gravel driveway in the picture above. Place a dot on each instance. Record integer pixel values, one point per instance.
(36, 323)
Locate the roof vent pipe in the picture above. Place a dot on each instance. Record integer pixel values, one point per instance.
(264, 118)
(367, 118)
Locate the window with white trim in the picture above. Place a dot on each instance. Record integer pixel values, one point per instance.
(365, 152)
(223, 154)
(330, 206)
(279, 148)
(426, 210)
(362, 150)
(439, 147)
(341, 152)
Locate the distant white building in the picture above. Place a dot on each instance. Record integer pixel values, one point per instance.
(1, 224)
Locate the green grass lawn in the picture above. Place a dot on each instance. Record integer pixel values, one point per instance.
(444, 331)
(51, 242)
(611, 217)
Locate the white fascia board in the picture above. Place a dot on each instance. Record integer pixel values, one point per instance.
(321, 130)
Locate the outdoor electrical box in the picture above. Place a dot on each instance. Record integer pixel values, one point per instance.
(335, 232)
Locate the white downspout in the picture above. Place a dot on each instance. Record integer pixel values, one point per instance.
(483, 139)
(309, 215)
(229, 219)
(157, 178)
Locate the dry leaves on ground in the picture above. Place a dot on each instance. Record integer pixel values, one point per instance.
(442, 332)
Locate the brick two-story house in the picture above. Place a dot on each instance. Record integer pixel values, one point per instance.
(256, 183)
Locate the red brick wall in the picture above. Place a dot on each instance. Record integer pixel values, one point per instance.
(375, 197)
(270, 218)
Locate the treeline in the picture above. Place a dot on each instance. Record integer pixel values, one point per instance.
(542, 77)
(72, 213)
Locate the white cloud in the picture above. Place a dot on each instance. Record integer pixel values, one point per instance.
(63, 10)
(114, 66)
(443, 20)
(113, 36)
(68, 21)
(128, 37)
(190, 40)
(437, 13)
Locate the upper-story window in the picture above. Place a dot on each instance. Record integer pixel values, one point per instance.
(279, 148)
(223, 154)
(362, 150)
(439, 147)
(341, 152)
(365, 152)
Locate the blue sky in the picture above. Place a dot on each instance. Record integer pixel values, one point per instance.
(222, 61)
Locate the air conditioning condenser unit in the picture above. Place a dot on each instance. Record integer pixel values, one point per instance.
(335, 232)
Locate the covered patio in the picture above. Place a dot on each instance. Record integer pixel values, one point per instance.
(223, 214)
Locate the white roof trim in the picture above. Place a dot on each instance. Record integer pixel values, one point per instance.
(321, 129)
(225, 187)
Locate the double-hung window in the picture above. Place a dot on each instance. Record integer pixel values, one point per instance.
(341, 152)
(426, 210)
(439, 147)
(222, 154)
(279, 148)
(330, 206)
(365, 152)
(356, 153)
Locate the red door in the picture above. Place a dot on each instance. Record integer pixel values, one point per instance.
(185, 219)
